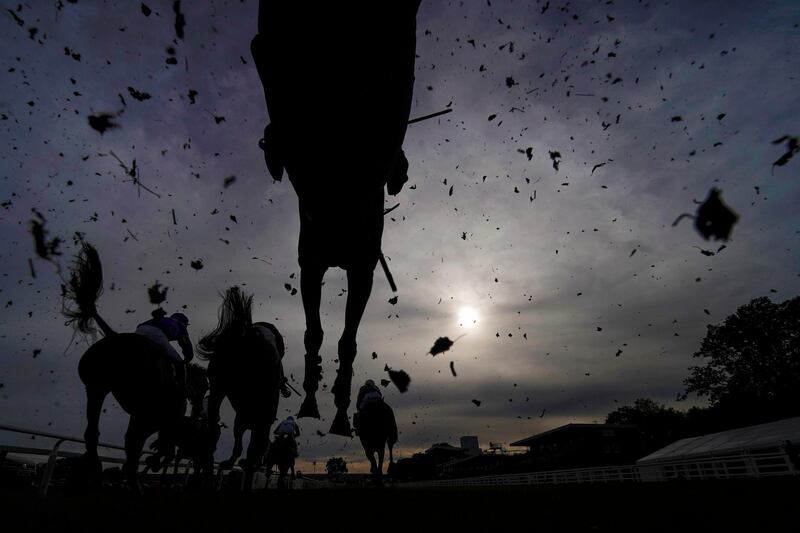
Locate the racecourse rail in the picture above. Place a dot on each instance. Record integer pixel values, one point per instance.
(744, 464)
(54, 453)
(731, 466)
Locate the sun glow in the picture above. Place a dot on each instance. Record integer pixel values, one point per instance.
(468, 317)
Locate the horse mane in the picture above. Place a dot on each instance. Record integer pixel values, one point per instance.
(235, 318)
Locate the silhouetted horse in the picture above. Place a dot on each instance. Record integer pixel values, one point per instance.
(195, 438)
(244, 365)
(130, 366)
(338, 119)
(280, 454)
(377, 429)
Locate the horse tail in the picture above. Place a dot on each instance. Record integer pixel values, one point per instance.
(83, 289)
(235, 317)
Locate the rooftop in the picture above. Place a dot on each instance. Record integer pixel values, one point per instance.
(570, 427)
(746, 438)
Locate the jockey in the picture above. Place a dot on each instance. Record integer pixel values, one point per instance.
(289, 429)
(162, 329)
(368, 394)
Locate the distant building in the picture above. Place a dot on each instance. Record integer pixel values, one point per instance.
(428, 464)
(443, 451)
(470, 443)
(581, 445)
(484, 464)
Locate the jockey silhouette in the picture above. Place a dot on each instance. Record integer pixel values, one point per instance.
(289, 429)
(162, 329)
(368, 394)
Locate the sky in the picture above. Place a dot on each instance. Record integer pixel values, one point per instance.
(569, 290)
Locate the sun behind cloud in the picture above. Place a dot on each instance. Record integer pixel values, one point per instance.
(468, 317)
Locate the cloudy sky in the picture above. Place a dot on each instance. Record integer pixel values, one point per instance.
(570, 290)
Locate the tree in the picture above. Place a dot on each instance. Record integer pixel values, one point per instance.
(336, 468)
(752, 363)
(658, 425)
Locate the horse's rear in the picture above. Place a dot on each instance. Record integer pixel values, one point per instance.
(377, 429)
(130, 367)
(282, 454)
(248, 372)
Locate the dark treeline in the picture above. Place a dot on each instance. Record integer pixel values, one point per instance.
(750, 374)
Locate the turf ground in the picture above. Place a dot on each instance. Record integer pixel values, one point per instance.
(746, 505)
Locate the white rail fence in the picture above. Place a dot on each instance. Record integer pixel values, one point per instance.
(746, 464)
(740, 465)
(54, 453)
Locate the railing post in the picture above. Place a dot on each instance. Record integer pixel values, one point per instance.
(48, 471)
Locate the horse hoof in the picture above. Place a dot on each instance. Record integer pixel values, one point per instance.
(309, 408)
(341, 425)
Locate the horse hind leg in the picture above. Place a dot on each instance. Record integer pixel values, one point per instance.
(238, 435)
(379, 473)
(135, 437)
(259, 442)
(373, 465)
(94, 405)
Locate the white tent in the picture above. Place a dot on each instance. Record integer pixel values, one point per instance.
(750, 451)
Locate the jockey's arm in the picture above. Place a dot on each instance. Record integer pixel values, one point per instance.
(186, 348)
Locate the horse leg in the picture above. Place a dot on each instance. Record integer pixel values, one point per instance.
(259, 441)
(359, 288)
(379, 473)
(175, 466)
(373, 466)
(238, 433)
(135, 437)
(391, 460)
(94, 405)
(311, 292)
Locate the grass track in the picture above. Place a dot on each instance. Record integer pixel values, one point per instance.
(743, 505)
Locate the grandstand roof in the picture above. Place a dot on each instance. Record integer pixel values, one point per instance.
(725, 442)
(571, 427)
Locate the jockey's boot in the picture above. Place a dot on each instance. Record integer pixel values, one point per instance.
(313, 375)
